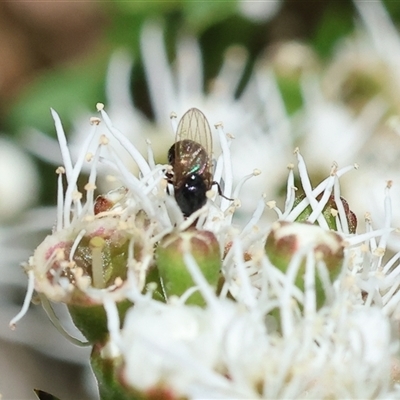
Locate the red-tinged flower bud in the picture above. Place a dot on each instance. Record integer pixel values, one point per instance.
(92, 256)
(175, 277)
(288, 238)
(106, 202)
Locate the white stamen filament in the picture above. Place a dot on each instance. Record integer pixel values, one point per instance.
(63, 145)
(127, 144)
(323, 274)
(286, 305)
(113, 322)
(242, 181)
(272, 205)
(255, 218)
(306, 184)
(387, 221)
(150, 155)
(199, 279)
(75, 245)
(246, 288)
(293, 214)
(392, 290)
(392, 305)
(132, 183)
(368, 229)
(310, 301)
(73, 180)
(60, 198)
(190, 220)
(290, 193)
(189, 292)
(390, 263)
(153, 185)
(339, 204)
(228, 178)
(27, 300)
(324, 200)
(219, 168)
(355, 240)
(89, 206)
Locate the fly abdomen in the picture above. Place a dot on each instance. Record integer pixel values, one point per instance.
(191, 195)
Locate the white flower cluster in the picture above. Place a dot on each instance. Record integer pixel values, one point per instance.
(271, 340)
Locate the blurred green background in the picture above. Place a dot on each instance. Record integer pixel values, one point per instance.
(55, 54)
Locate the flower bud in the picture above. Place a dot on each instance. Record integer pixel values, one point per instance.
(90, 257)
(287, 238)
(175, 277)
(105, 366)
(329, 212)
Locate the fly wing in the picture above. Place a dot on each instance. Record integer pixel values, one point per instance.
(194, 126)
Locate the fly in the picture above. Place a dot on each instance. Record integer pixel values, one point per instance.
(189, 157)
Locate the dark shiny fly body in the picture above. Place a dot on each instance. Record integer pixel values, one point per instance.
(190, 161)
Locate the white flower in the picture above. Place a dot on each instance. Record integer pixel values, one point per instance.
(200, 352)
(259, 11)
(19, 183)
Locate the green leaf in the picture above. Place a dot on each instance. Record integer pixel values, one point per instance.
(68, 90)
(199, 15)
(336, 23)
(42, 395)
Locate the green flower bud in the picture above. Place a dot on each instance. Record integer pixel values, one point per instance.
(175, 277)
(329, 212)
(286, 238)
(106, 366)
(91, 319)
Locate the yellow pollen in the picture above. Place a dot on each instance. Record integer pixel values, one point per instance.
(76, 195)
(89, 157)
(90, 186)
(103, 140)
